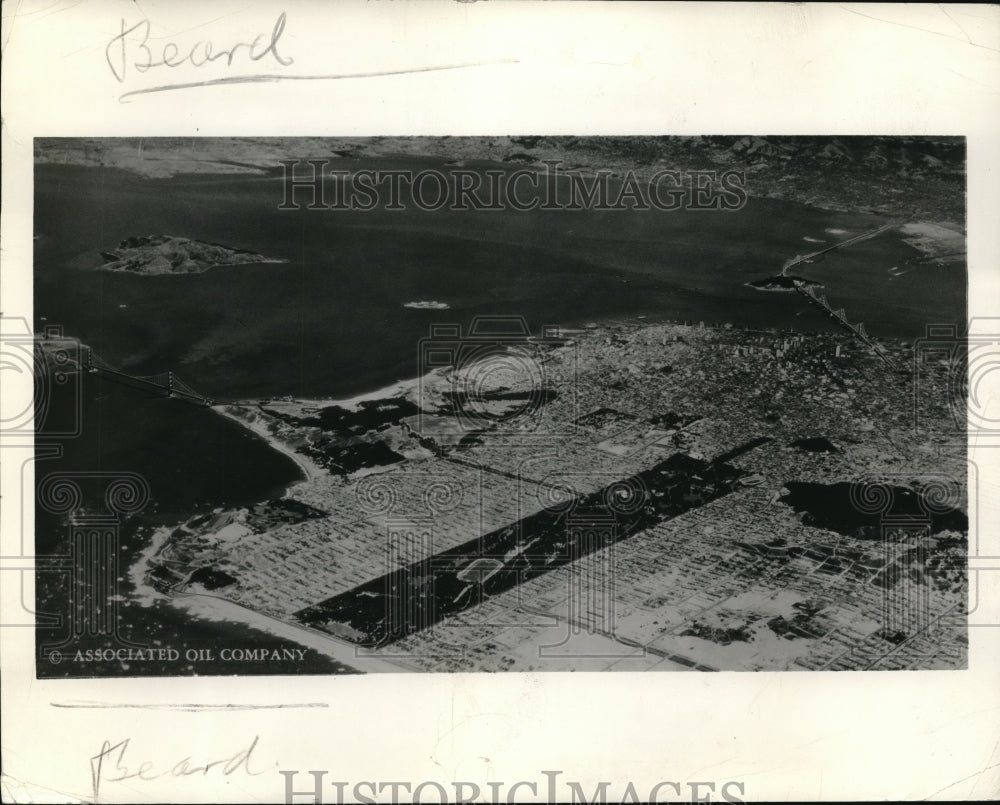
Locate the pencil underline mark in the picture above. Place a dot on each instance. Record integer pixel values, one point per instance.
(267, 78)
(190, 708)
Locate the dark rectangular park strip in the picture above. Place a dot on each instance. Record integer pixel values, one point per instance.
(419, 594)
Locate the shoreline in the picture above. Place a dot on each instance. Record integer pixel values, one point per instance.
(309, 469)
(408, 388)
(145, 594)
(397, 388)
(216, 609)
(260, 613)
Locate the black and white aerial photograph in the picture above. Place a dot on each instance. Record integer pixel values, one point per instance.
(356, 405)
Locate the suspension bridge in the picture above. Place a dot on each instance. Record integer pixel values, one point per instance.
(166, 383)
(840, 317)
(820, 301)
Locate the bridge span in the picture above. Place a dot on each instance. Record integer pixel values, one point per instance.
(166, 383)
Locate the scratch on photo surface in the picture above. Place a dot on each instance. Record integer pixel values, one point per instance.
(918, 28)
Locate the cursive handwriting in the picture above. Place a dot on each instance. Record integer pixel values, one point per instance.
(129, 51)
(110, 766)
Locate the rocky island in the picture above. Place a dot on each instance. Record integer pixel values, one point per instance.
(168, 254)
(782, 282)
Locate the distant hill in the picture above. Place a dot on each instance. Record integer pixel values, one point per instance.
(923, 176)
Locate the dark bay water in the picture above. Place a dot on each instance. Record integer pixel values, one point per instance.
(331, 322)
(193, 460)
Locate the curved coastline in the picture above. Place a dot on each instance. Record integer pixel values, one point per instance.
(310, 469)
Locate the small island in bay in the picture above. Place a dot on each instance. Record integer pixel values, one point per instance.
(168, 254)
(781, 282)
(427, 305)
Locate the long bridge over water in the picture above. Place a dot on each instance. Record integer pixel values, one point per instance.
(820, 301)
(839, 245)
(166, 383)
(840, 317)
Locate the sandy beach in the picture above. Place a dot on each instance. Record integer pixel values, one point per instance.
(309, 468)
(214, 608)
